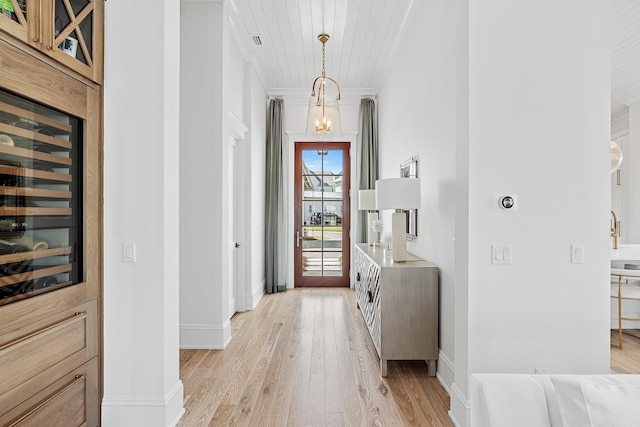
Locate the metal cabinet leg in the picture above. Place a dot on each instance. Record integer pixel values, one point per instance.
(383, 367)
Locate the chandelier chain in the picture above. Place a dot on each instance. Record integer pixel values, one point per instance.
(323, 73)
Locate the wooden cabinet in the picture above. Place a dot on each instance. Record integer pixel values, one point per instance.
(399, 303)
(63, 403)
(69, 31)
(38, 353)
(50, 207)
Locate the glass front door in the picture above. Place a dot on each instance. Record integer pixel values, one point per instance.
(322, 214)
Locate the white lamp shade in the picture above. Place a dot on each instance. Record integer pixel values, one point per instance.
(323, 120)
(398, 193)
(367, 200)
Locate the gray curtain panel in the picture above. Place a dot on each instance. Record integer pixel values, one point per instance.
(275, 221)
(367, 157)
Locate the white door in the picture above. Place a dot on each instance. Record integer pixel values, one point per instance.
(233, 243)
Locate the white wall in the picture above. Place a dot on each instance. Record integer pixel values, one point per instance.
(141, 360)
(221, 98)
(204, 317)
(256, 170)
(497, 97)
(539, 128)
(417, 111)
(631, 173)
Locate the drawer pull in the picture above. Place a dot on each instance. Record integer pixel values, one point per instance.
(76, 316)
(370, 296)
(358, 276)
(54, 396)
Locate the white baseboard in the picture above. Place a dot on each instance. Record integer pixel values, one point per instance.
(207, 337)
(254, 299)
(460, 407)
(146, 410)
(453, 420)
(445, 372)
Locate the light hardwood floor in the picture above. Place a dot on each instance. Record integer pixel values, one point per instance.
(627, 360)
(304, 358)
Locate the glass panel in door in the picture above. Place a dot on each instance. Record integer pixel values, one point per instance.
(40, 203)
(13, 18)
(73, 29)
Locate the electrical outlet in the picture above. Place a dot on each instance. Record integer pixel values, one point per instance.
(541, 371)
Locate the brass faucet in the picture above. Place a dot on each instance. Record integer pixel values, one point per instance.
(614, 230)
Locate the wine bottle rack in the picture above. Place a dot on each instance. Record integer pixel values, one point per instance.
(40, 198)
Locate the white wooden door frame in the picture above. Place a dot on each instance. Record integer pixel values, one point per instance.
(241, 287)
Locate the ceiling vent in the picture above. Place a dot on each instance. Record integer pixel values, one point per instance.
(256, 40)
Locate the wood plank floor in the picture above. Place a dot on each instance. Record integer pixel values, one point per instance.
(627, 360)
(304, 358)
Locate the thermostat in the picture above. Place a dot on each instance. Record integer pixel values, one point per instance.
(507, 202)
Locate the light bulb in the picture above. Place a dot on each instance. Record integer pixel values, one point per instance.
(616, 157)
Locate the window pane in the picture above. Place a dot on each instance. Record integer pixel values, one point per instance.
(332, 164)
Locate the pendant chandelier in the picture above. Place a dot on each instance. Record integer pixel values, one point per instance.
(323, 119)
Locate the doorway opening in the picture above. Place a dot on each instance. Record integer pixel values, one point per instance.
(322, 214)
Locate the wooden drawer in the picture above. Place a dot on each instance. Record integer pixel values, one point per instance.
(66, 403)
(43, 350)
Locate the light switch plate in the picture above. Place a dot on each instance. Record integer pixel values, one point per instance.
(501, 254)
(128, 252)
(577, 253)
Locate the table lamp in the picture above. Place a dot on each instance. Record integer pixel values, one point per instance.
(367, 202)
(399, 194)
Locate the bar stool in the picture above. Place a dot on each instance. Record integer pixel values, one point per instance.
(626, 287)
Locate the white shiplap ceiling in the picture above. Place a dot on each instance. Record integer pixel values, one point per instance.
(625, 55)
(364, 34)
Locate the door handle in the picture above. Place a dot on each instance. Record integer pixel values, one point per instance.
(298, 238)
(237, 245)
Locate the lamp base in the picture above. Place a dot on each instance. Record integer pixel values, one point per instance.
(372, 236)
(398, 236)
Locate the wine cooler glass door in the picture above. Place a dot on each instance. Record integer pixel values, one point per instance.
(40, 206)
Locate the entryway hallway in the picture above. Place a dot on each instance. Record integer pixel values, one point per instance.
(304, 358)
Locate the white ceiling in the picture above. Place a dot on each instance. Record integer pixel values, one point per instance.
(625, 55)
(364, 34)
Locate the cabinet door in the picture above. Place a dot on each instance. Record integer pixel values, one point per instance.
(74, 34)
(13, 18)
(71, 31)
